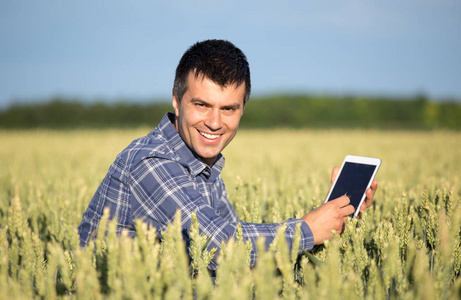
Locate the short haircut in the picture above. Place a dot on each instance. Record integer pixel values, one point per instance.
(218, 60)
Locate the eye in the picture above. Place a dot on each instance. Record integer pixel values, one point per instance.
(200, 105)
(231, 108)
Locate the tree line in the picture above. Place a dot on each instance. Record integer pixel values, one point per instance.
(289, 111)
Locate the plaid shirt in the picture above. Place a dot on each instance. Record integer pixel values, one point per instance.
(158, 174)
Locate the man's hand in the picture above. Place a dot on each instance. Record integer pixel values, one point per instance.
(333, 214)
(330, 216)
(370, 192)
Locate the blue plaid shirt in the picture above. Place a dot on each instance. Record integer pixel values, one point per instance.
(156, 175)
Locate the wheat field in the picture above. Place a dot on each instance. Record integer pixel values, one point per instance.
(406, 246)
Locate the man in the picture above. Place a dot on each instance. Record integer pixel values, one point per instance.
(177, 166)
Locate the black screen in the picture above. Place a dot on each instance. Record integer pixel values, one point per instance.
(353, 182)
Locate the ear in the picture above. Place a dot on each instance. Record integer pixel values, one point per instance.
(175, 103)
(243, 108)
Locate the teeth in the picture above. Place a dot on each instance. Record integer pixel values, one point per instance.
(209, 136)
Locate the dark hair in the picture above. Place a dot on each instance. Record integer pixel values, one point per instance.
(218, 60)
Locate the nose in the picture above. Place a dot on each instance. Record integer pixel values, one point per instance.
(213, 120)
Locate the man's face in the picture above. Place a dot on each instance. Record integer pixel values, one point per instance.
(208, 116)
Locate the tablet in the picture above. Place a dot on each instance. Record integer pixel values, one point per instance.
(354, 178)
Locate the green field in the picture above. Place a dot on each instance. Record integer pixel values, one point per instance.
(407, 245)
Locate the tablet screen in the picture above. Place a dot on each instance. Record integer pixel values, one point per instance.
(353, 181)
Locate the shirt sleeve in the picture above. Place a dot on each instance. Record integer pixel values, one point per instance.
(113, 193)
(160, 187)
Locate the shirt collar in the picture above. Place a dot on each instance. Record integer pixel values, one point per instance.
(184, 155)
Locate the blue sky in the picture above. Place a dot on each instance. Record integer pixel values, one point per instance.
(129, 49)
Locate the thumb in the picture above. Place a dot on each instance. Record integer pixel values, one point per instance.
(334, 174)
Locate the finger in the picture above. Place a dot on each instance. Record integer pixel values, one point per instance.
(374, 185)
(368, 201)
(334, 174)
(347, 210)
(370, 193)
(341, 201)
(372, 190)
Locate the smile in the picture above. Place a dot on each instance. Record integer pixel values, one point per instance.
(210, 136)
